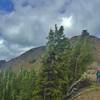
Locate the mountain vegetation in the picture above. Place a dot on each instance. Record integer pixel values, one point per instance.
(63, 63)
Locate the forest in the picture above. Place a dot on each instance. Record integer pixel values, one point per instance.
(63, 63)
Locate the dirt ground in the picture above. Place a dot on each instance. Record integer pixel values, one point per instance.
(91, 95)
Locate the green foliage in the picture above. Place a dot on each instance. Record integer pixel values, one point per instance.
(63, 63)
(17, 86)
(52, 79)
(80, 57)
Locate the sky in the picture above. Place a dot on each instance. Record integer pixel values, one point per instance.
(24, 24)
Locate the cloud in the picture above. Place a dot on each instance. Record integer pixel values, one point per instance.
(67, 22)
(28, 24)
(8, 51)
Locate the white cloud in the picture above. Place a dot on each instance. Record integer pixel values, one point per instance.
(1, 41)
(28, 25)
(67, 22)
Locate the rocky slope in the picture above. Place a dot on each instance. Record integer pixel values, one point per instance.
(32, 58)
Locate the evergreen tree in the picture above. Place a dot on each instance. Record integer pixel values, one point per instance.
(50, 79)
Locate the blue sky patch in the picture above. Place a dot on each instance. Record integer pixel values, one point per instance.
(6, 5)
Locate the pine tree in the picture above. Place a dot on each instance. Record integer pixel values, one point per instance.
(50, 79)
